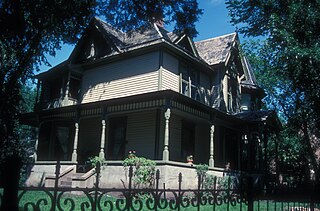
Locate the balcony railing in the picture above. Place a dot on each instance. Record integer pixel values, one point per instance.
(195, 92)
(57, 103)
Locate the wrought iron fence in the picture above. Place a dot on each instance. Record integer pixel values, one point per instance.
(241, 195)
(66, 198)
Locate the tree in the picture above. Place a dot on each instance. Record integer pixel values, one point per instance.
(293, 61)
(293, 38)
(32, 29)
(281, 97)
(128, 15)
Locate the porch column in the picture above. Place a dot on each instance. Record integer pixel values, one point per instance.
(103, 139)
(75, 143)
(66, 96)
(211, 160)
(165, 154)
(35, 156)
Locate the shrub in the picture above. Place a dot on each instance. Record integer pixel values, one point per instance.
(143, 171)
(95, 160)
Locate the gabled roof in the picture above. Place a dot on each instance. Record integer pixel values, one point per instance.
(135, 37)
(216, 50)
(250, 81)
(206, 52)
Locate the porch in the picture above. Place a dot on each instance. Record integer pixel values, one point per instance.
(163, 126)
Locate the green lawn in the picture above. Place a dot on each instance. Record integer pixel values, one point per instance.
(33, 199)
(41, 199)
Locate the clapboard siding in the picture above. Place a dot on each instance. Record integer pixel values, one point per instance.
(141, 133)
(170, 73)
(170, 80)
(123, 78)
(171, 63)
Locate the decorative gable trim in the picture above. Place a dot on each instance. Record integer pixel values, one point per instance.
(101, 44)
(184, 38)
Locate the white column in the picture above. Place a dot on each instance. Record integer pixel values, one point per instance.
(103, 139)
(165, 155)
(35, 156)
(75, 143)
(211, 160)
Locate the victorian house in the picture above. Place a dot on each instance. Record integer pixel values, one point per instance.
(155, 92)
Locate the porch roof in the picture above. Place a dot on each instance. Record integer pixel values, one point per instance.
(266, 116)
(159, 99)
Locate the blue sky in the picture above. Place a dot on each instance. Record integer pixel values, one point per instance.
(214, 22)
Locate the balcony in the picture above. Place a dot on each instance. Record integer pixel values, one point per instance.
(56, 103)
(195, 92)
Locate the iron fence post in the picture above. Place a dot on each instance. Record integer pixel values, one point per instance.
(250, 193)
(129, 202)
(156, 200)
(228, 193)
(96, 188)
(179, 196)
(198, 194)
(56, 185)
(214, 192)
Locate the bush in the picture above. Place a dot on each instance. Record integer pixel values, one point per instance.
(143, 171)
(95, 160)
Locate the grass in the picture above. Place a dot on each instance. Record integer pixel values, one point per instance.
(40, 200)
(32, 200)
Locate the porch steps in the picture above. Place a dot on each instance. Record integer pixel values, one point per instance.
(65, 184)
(67, 180)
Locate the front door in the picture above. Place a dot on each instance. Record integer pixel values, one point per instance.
(117, 138)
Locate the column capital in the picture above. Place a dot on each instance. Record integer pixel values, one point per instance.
(212, 128)
(167, 114)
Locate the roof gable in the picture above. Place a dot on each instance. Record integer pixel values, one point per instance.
(216, 50)
(186, 43)
(94, 44)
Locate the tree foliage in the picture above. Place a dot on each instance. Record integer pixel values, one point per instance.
(287, 64)
(32, 29)
(292, 31)
(128, 15)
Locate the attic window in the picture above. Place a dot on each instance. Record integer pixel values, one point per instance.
(93, 46)
(97, 48)
(91, 51)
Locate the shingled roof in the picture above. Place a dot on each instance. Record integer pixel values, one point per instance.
(250, 81)
(210, 52)
(137, 37)
(215, 50)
